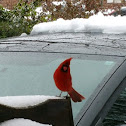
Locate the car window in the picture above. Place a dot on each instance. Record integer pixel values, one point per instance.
(117, 114)
(32, 74)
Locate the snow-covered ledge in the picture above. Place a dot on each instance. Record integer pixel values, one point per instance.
(21, 122)
(25, 101)
(35, 110)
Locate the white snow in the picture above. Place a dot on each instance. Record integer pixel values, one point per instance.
(6, 9)
(24, 101)
(123, 7)
(21, 122)
(57, 3)
(23, 35)
(39, 10)
(96, 23)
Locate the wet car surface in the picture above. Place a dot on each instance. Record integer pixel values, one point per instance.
(91, 43)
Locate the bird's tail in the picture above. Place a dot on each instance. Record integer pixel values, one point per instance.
(76, 97)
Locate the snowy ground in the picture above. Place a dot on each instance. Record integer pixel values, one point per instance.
(96, 23)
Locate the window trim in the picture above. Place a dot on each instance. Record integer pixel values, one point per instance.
(90, 114)
(103, 113)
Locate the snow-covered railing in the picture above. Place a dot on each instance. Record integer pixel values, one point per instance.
(43, 109)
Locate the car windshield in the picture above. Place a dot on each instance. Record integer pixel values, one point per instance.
(32, 73)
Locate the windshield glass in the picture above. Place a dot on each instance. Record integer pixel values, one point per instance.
(32, 74)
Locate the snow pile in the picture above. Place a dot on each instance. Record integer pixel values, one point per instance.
(24, 101)
(21, 122)
(96, 23)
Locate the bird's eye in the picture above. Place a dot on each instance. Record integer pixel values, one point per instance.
(64, 68)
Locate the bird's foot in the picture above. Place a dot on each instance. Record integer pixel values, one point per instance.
(67, 96)
(59, 94)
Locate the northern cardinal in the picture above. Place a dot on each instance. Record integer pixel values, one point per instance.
(63, 80)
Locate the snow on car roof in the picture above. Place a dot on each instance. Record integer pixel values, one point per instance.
(96, 23)
(123, 8)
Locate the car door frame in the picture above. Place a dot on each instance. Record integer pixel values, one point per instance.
(104, 97)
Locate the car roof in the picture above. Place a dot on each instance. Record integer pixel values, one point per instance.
(123, 8)
(84, 43)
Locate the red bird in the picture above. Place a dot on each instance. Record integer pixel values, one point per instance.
(63, 80)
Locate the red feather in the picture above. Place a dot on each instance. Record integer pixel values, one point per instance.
(63, 80)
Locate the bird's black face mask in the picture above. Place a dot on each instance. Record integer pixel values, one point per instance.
(64, 68)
